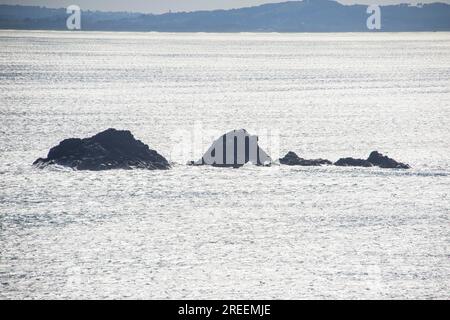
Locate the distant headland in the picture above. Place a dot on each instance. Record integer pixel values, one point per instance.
(291, 16)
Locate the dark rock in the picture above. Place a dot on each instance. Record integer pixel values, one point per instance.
(292, 159)
(377, 159)
(234, 149)
(352, 162)
(110, 149)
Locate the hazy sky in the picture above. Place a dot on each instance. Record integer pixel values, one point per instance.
(158, 6)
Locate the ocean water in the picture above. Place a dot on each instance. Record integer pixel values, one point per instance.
(254, 232)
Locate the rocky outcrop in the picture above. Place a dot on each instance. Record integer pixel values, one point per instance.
(234, 149)
(375, 159)
(292, 159)
(110, 149)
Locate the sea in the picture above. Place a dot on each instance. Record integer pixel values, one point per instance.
(278, 232)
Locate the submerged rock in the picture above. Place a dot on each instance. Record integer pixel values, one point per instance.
(375, 159)
(292, 159)
(110, 149)
(234, 149)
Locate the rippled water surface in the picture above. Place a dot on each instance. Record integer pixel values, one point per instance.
(191, 232)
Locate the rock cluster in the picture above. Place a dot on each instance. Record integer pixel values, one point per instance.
(118, 149)
(375, 159)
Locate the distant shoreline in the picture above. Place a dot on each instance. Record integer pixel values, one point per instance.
(224, 32)
(319, 16)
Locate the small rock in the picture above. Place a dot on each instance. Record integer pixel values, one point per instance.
(377, 159)
(352, 162)
(292, 159)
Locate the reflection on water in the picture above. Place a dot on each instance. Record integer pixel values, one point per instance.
(278, 232)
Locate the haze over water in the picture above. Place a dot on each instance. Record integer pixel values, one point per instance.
(254, 232)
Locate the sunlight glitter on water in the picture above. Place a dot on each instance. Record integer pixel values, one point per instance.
(279, 232)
